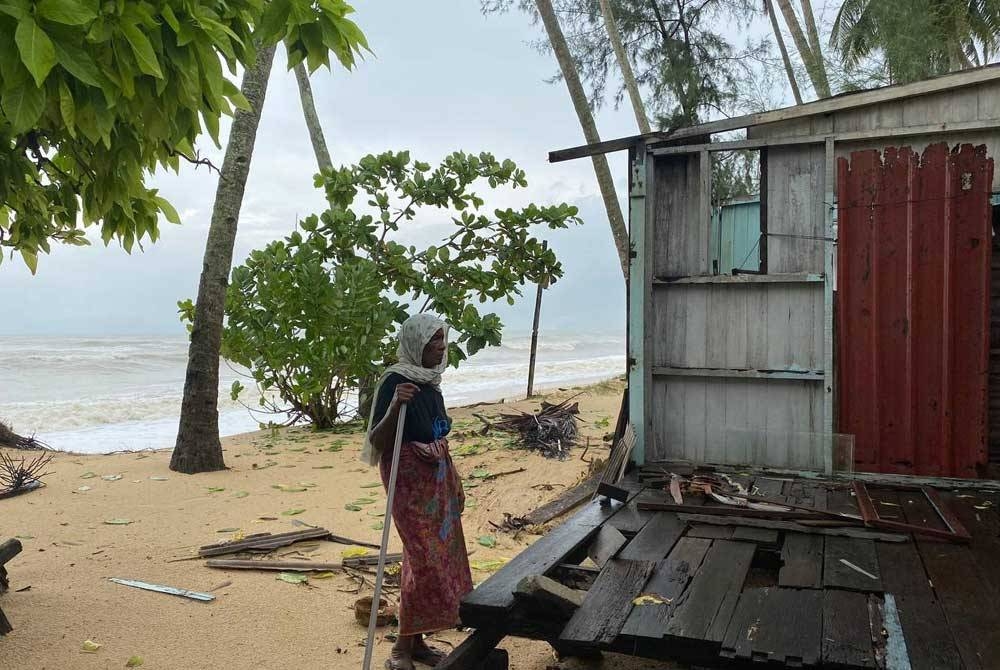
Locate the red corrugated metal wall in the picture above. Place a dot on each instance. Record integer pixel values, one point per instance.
(913, 280)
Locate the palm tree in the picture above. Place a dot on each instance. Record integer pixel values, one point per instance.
(811, 54)
(625, 66)
(789, 71)
(579, 98)
(198, 448)
(930, 37)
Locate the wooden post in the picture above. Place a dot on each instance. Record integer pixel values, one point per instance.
(542, 285)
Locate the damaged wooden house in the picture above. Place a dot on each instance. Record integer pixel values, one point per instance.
(815, 432)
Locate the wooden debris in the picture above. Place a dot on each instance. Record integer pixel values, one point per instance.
(365, 561)
(607, 543)
(548, 597)
(10, 439)
(268, 542)
(860, 533)
(552, 430)
(21, 475)
(170, 590)
(282, 566)
(566, 501)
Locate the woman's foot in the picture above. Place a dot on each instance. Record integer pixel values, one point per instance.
(399, 660)
(427, 655)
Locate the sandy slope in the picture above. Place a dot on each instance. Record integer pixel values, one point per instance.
(256, 621)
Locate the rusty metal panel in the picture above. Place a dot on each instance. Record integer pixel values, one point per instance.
(913, 308)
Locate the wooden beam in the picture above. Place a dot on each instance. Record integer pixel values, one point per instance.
(782, 278)
(825, 106)
(284, 566)
(473, 652)
(804, 376)
(9, 549)
(779, 524)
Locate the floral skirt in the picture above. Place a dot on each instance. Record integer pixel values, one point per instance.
(427, 511)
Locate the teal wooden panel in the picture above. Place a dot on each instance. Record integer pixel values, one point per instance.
(736, 236)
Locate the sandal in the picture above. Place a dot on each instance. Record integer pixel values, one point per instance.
(429, 656)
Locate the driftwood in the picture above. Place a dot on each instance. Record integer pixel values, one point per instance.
(284, 566)
(19, 475)
(262, 542)
(10, 439)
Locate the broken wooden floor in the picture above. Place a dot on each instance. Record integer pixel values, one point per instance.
(730, 592)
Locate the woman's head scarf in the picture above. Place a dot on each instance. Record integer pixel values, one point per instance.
(413, 337)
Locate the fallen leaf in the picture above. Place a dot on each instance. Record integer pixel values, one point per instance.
(296, 449)
(376, 514)
(487, 541)
(118, 522)
(25, 537)
(293, 512)
(159, 478)
(351, 507)
(134, 662)
(481, 473)
(309, 485)
(334, 448)
(268, 518)
(323, 467)
(286, 488)
(111, 478)
(469, 485)
(216, 489)
(240, 494)
(488, 565)
(371, 485)
(323, 575)
(363, 501)
(91, 647)
(651, 599)
(378, 525)
(293, 577)
(84, 489)
(227, 530)
(87, 475)
(354, 552)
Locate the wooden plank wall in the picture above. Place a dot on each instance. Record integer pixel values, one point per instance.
(680, 245)
(796, 186)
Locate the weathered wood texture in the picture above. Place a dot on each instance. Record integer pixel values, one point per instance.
(802, 561)
(668, 581)
(656, 539)
(845, 531)
(607, 543)
(760, 630)
(567, 501)
(796, 222)
(473, 652)
(495, 596)
(608, 602)
(680, 248)
(707, 531)
(838, 552)
(847, 630)
(711, 598)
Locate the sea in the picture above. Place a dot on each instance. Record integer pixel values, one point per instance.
(108, 394)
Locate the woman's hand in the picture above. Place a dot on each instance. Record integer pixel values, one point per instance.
(404, 393)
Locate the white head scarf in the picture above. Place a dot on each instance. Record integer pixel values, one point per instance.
(413, 337)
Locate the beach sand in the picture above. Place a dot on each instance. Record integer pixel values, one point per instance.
(256, 621)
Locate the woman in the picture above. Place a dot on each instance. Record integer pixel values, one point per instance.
(429, 500)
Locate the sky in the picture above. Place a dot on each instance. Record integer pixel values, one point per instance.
(443, 77)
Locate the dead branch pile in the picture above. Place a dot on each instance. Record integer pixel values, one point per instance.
(8, 438)
(551, 431)
(17, 474)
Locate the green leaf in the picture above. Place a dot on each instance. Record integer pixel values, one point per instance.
(293, 577)
(481, 473)
(293, 511)
(24, 105)
(240, 494)
(289, 489)
(171, 19)
(216, 489)
(371, 485)
(378, 525)
(77, 62)
(134, 662)
(30, 259)
(70, 12)
(67, 107)
(88, 475)
(37, 51)
(171, 215)
(142, 49)
(13, 10)
(487, 541)
(118, 522)
(350, 507)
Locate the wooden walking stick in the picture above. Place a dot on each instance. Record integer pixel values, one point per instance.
(380, 573)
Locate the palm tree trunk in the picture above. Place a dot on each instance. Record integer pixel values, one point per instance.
(625, 66)
(312, 119)
(789, 72)
(198, 448)
(813, 59)
(583, 113)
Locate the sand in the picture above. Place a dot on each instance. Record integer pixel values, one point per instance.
(256, 621)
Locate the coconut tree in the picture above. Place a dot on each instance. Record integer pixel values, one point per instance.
(780, 39)
(615, 36)
(810, 52)
(929, 38)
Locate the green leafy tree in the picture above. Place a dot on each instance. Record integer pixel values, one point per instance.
(97, 94)
(312, 316)
(928, 38)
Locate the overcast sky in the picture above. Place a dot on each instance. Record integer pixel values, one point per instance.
(443, 78)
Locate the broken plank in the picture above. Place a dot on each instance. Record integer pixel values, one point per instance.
(285, 566)
(606, 545)
(925, 631)
(608, 603)
(543, 596)
(802, 561)
(264, 542)
(474, 650)
(656, 539)
(169, 590)
(744, 623)
(495, 596)
(723, 510)
(769, 488)
(710, 532)
(668, 581)
(711, 598)
(852, 564)
(567, 501)
(630, 519)
(841, 500)
(790, 631)
(766, 536)
(844, 531)
(847, 637)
